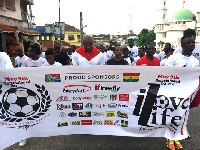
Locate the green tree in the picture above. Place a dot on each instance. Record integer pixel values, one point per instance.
(145, 37)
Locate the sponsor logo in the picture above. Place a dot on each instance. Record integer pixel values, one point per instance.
(62, 98)
(147, 104)
(75, 123)
(117, 123)
(97, 113)
(108, 122)
(76, 89)
(100, 97)
(22, 107)
(122, 115)
(61, 124)
(62, 115)
(82, 98)
(113, 97)
(123, 97)
(89, 106)
(97, 122)
(112, 105)
(113, 88)
(124, 123)
(100, 105)
(119, 105)
(61, 106)
(15, 82)
(72, 114)
(52, 78)
(86, 122)
(131, 77)
(168, 80)
(110, 113)
(85, 114)
(77, 106)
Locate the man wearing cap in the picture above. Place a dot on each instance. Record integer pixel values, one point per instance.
(19, 60)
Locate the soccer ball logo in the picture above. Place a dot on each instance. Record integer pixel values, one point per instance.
(162, 102)
(20, 102)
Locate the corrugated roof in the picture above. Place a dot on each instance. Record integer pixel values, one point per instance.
(8, 28)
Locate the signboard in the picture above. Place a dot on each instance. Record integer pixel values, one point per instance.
(56, 29)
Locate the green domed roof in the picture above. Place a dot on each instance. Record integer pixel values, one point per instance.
(183, 14)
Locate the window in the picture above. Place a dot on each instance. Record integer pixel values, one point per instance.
(10, 4)
(71, 37)
(1, 3)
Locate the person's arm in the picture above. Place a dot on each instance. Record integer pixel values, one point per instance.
(8, 62)
(67, 60)
(74, 59)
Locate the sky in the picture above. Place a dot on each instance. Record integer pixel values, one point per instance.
(107, 16)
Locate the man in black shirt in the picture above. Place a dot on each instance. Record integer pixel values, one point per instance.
(117, 60)
(61, 56)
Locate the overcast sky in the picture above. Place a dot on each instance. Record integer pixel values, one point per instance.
(107, 16)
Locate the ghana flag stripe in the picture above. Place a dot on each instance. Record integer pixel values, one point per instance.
(131, 77)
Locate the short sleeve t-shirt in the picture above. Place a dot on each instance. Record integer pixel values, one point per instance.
(5, 61)
(195, 53)
(144, 61)
(113, 62)
(133, 51)
(179, 60)
(20, 60)
(55, 64)
(34, 63)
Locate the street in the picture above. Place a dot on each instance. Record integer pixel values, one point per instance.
(94, 142)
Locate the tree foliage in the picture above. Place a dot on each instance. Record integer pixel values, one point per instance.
(145, 37)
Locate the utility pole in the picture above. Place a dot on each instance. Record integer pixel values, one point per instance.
(81, 28)
(60, 28)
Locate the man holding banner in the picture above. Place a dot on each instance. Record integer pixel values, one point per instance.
(88, 54)
(184, 59)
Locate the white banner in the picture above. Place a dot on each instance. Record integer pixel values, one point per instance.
(101, 100)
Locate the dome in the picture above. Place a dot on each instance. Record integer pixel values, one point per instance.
(183, 14)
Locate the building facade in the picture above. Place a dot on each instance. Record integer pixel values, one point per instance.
(15, 16)
(171, 31)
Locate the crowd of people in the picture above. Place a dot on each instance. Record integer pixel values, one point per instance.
(186, 55)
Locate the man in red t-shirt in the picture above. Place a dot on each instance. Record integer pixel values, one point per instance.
(148, 59)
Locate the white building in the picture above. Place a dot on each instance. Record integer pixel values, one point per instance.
(171, 31)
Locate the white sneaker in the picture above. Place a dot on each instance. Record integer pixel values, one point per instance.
(23, 142)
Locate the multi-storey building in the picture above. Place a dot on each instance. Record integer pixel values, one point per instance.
(15, 16)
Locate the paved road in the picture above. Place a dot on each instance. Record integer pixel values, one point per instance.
(92, 142)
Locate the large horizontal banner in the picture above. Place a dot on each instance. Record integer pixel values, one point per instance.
(100, 100)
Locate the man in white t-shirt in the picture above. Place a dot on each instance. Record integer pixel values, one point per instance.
(50, 57)
(133, 50)
(141, 53)
(19, 60)
(162, 55)
(34, 59)
(168, 52)
(184, 59)
(5, 61)
(88, 54)
(196, 51)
